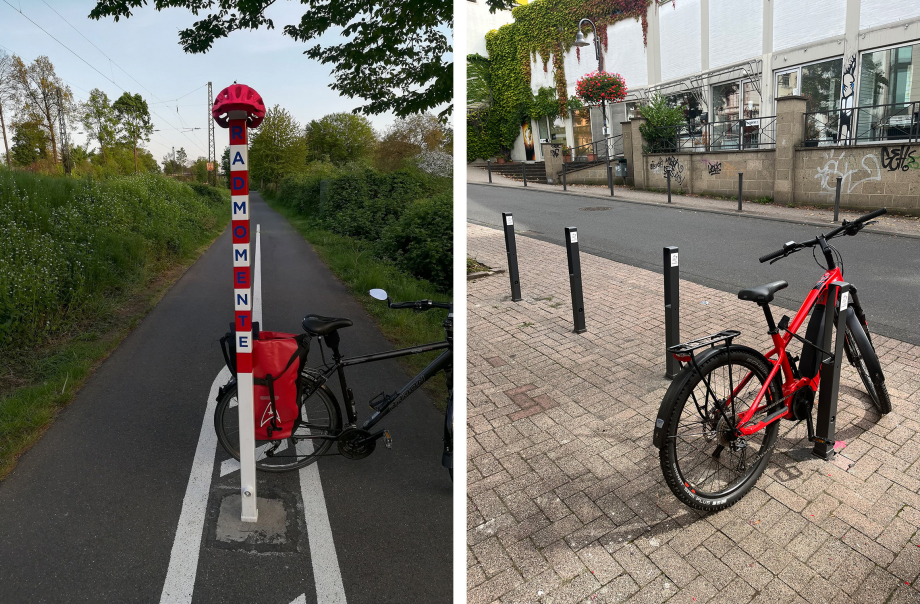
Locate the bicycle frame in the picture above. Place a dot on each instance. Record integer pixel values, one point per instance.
(442, 362)
(816, 297)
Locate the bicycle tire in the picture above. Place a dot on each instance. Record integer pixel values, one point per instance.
(858, 348)
(305, 451)
(705, 493)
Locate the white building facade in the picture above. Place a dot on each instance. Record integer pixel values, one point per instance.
(729, 60)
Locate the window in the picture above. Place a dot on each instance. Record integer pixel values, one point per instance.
(581, 129)
(819, 83)
(732, 102)
(886, 89)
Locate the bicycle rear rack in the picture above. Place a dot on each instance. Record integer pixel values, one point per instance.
(683, 352)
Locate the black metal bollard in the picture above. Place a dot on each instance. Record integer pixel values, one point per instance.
(610, 178)
(578, 303)
(837, 199)
(825, 428)
(489, 166)
(669, 191)
(740, 188)
(524, 172)
(511, 248)
(671, 308)
(565, 186)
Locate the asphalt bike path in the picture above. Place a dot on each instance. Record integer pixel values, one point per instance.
(120, 501)
(716, 250)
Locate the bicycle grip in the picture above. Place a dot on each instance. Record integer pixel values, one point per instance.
(872, 215)
(772, 255)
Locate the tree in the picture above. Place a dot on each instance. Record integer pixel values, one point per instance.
(41, 95)
(98, 117)
(30, 144)
(341, 137)
(660, 131)
(7, 95)
(410, 136)
(200, 170)
(277, 148)
(391, 54)
(225, 165)
(134, 123)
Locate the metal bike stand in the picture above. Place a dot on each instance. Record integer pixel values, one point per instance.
(671, 308)
(511, 249)
(578, 303)
(826, 427)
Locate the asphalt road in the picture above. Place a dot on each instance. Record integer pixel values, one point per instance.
(716, 250)
(91, 512)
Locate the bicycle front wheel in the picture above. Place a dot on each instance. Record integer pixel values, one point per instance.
(705, 465)
(319, 414)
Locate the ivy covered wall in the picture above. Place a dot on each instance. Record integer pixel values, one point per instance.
(542, 32)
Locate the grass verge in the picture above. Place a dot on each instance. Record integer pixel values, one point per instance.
(38, 382)
(351, 261)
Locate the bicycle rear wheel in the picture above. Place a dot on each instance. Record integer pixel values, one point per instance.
(704, 464)
(858, 349)
(320, 416)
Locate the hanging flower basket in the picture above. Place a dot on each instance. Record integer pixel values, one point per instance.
(600, 86)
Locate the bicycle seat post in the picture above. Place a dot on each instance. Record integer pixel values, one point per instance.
(769, 316)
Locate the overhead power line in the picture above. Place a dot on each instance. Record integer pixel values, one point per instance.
(107, 78)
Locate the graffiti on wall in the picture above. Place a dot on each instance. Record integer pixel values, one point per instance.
(899, 158)
(669, 166)
(719, 167)
(847, 90)
(868, 169)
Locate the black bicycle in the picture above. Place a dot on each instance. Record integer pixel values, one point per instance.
(320, 423)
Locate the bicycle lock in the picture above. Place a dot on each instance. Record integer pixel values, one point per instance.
(239, 107)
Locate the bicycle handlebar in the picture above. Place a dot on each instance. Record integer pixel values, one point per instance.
(849, 228)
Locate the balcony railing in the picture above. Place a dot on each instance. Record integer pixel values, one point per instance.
(866, 124)
(597, 150)
(729, 135)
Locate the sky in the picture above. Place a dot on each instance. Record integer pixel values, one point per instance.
(174, 83)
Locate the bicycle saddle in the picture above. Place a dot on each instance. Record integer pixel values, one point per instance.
(762, 294)
(319, 325)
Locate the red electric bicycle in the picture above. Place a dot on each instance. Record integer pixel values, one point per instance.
(719, 419)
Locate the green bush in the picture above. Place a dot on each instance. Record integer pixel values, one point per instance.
(405, 215)
(421, 241)
(660, 131)
(66, 244)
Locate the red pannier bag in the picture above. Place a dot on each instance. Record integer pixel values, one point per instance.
(277, 360)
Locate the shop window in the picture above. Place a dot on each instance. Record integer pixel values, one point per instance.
(886, 90)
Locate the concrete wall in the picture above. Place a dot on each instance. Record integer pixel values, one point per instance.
(713, 173)
(873, 176)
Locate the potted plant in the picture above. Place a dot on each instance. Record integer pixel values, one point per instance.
(811, 133)
(600, 86)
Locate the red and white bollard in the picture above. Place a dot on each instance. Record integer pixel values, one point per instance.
(239, 107)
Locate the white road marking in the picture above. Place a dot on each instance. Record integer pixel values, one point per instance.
(326, 572)
(183, 561)
(301, 599)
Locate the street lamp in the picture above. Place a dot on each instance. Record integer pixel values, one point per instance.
(581, 42)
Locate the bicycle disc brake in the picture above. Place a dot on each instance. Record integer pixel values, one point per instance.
(351, 446)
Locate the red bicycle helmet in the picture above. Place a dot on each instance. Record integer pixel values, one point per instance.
(238, 97)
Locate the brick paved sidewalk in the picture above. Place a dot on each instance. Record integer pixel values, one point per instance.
(566, 501)
(897, 225)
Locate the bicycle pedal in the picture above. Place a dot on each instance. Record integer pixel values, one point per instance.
(387, 441)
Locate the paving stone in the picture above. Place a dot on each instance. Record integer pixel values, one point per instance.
(563, 480)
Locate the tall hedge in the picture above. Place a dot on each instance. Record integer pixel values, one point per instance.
(406, 214)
